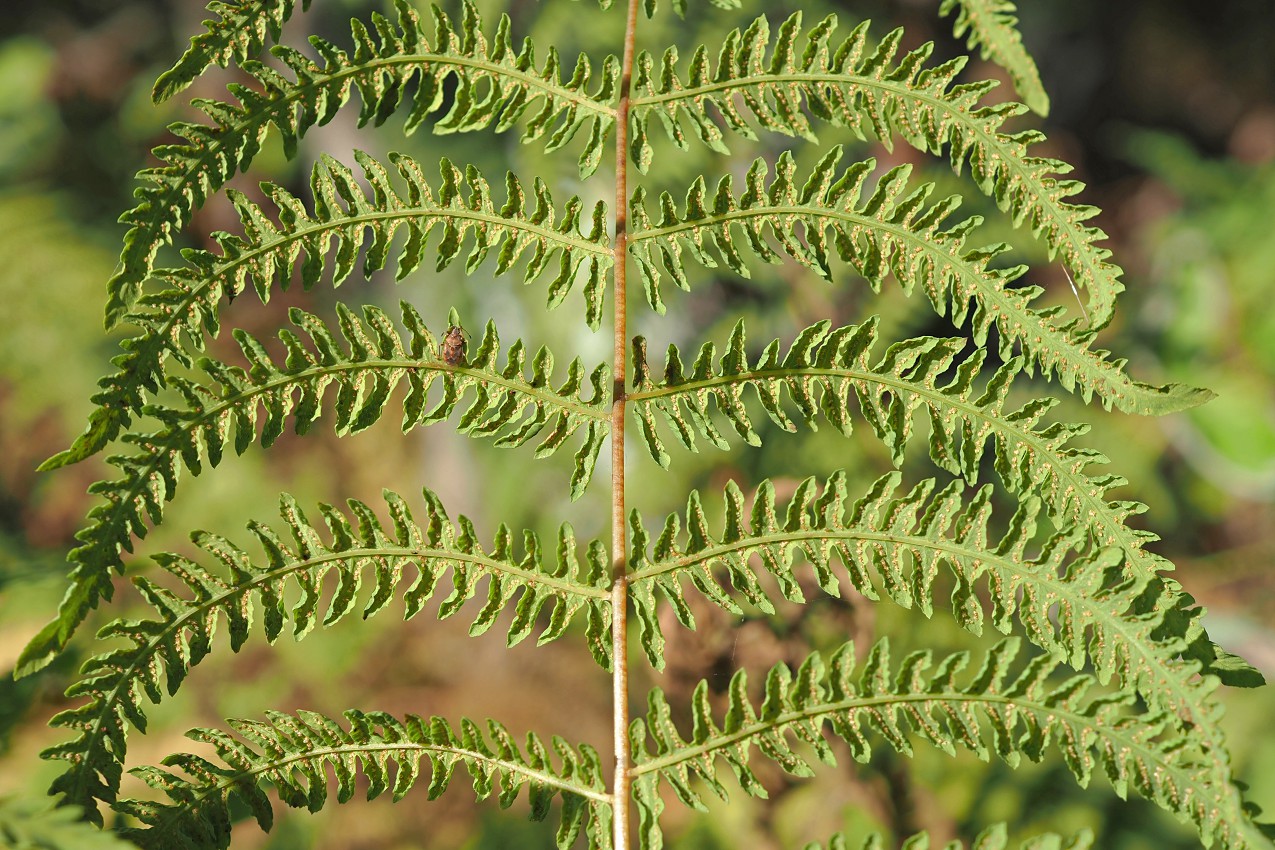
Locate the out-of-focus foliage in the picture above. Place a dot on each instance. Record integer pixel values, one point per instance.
(27, 825)
(1211, 314)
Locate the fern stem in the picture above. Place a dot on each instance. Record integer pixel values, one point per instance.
(619, 400)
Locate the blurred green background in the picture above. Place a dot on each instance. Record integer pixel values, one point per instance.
(1167, 110)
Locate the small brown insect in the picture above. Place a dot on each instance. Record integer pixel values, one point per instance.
(453, 345)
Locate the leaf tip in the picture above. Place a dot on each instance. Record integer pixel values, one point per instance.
(40, 651)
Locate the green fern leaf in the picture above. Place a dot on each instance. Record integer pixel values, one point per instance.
(292, 754)
(893, 231)
(159, 653)
(824, 367)
(31, 825)
(256, 403)
(872, 91)
(1024, 715)
(1080, 608)
(1087, 591)
(327, 242)
(993, 29)
(994, 837)
(1068, 598)
(239, 32)
(496, 85)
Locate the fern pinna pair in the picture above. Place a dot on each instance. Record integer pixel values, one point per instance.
(1121, 677)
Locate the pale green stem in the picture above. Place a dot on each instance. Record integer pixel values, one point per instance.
(619, 555)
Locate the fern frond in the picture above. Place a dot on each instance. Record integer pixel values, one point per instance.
(160, 652)
(496, 84)
(1024, 714)
(38, 825)
(292, 755)
(895, 231)
(1068, 597)
(994, 837)
(992, 27)
(872, 91)
(238, 33)
(1078, 607)
(364, 371)
(824, 367)
(174, 321)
